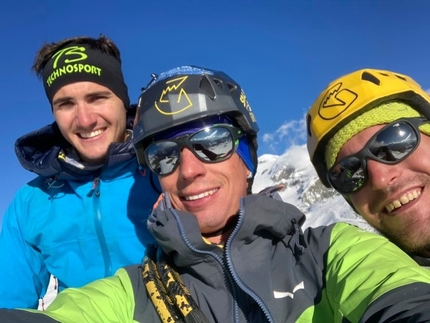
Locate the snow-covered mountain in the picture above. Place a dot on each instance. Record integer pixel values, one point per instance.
(303, 188)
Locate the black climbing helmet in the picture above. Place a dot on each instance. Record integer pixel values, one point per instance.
(189, 93)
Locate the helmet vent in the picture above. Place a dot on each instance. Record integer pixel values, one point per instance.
(401, 77)
(366, 76)
(232, 88)
(218, 82)
(207, 87)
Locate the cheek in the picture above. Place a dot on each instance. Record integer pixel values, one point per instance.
(121, 117)
(63, 119)
(241, 172)
(420, 155)
(420, 159)
(359, 200)
(166, 182)
(64, 123)
(115, 110)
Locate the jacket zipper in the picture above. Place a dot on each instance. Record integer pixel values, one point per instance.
(232, 272)
(229, 282)
(95, 194)
(232, 280)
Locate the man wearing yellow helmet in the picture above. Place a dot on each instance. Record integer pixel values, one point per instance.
(368, 138)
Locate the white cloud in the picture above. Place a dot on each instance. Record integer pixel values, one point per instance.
(291, 132)
(267, 138)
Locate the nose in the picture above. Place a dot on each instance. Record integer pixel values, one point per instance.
(382, 175)
(190, 166)
(85, 117)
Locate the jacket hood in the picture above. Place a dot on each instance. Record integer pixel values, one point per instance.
(179, 236)
(38, 152)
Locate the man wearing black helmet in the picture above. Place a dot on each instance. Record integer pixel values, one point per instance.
(225, 255)
(368, 138)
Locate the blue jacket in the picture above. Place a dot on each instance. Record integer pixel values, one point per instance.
(76, 224)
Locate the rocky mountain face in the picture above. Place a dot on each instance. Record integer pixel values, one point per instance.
(303, 188)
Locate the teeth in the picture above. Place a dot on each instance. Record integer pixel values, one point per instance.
(201, 195)
(404, 199)
(91, 134)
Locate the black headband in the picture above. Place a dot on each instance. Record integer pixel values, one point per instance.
(79, 63)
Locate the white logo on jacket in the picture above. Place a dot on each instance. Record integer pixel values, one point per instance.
(288, 294)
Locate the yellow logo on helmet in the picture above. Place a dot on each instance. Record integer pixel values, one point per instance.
(182, 103)
(243, 99)
(335, 101)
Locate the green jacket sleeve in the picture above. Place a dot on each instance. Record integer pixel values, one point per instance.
(106, 300)
(367, 277)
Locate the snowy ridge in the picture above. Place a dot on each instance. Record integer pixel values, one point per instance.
(303, 189)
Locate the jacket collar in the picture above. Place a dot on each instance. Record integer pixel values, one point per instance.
(38, 152)
(178, 232)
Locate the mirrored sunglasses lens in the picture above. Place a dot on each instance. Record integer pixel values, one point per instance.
(347, 176)
(163, 156)
(213, 144)
(394, 143)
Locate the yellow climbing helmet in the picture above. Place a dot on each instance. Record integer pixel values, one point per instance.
(351, 95)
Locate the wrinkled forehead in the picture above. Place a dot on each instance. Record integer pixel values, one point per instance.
(192, 126)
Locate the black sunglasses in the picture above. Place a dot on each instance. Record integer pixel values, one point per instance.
(212, 144)
(390, 145)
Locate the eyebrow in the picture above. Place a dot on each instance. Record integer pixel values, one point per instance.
(88, 95)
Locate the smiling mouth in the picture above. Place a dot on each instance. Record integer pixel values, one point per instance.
(403, 200)
(91, 134)
(201, 195)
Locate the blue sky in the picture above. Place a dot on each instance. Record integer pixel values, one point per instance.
(282, 52)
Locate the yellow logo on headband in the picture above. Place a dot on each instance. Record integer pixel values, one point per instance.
(335, 101)
(78, 52)
(71, 55)
(182, 103)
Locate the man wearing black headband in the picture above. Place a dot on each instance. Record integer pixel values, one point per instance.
(223, 254)
(76, 220)
(369, 138)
